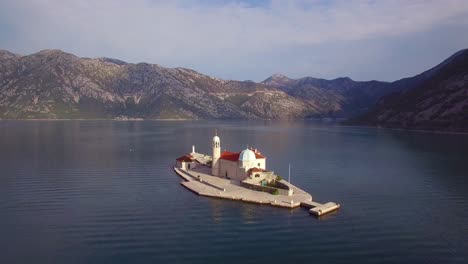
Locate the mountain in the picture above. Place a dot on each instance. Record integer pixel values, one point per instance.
(280, 81)
(437, 101)
(54, 84)
(342, 97)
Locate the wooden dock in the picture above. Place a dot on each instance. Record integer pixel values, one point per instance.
(202, 183)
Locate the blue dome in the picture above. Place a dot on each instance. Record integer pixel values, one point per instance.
(247, 155)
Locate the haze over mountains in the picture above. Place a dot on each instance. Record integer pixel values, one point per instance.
(53, 84)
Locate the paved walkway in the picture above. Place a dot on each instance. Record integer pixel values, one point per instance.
(199, 181)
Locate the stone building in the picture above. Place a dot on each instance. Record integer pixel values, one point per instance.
(236, 165)
(247, 167)
(248, 164)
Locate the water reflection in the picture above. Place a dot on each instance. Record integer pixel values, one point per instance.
(104, 192)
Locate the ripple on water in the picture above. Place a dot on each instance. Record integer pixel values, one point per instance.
(89, 199)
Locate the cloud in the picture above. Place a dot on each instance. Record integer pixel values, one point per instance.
(201, 34)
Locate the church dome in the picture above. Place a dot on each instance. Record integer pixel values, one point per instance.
(247, 155)
(216, 138)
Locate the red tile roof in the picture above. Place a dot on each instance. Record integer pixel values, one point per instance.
(256, 169)
(186, 158)
(234, 156)
(253, 170)
(259, 156)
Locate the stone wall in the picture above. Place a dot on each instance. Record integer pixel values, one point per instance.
(283, 190)
(257, 187)
(282, 185)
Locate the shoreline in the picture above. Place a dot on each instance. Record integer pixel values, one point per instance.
(182, 119)
(411, 130)
(200, 183)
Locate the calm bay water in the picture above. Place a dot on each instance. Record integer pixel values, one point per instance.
(104, 192)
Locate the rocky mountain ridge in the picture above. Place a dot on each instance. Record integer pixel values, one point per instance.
(438, 101)
(344, 97)
(53, 84)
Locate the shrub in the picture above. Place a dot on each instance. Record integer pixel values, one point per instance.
(275, 192)
(278, 178)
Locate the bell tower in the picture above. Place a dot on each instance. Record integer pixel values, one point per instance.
(216, 154)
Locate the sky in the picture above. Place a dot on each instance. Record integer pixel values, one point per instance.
(247, 39)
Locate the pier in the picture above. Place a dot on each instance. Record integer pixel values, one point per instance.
(318, 209)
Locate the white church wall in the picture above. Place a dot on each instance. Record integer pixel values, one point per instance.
(262, 163)
(259, 163)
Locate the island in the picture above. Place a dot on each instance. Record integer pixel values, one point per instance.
(242, 176)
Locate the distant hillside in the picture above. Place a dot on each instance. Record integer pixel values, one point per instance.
(344, 97)
(438, 100)
(53, 84)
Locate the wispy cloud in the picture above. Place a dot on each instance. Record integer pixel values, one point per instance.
(228, 34)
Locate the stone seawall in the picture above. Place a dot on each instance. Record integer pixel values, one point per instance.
(200, 182)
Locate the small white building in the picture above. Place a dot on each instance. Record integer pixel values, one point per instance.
(186, 162)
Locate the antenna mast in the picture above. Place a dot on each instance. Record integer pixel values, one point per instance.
(289, 176)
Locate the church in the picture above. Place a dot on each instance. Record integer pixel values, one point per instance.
(236, 165)
(239, 166)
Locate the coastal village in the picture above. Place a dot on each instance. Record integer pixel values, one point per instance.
(242, 176)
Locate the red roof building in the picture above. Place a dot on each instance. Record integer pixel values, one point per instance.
(186, 158)
(234, 156)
